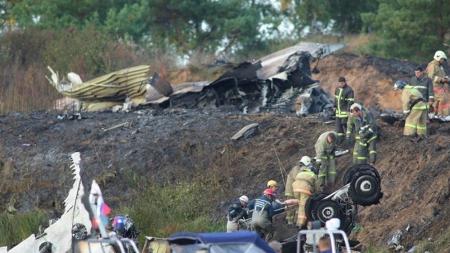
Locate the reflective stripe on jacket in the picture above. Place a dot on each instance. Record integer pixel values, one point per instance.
(424, 85)
(410, 96)
(344, 98)
(436, 72)
(325, 150)
(356, 124)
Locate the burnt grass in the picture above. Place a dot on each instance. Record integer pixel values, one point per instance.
(172, 147)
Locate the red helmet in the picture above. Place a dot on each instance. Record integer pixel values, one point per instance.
(269, 192)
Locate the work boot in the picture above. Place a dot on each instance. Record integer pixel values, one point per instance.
(413, 138)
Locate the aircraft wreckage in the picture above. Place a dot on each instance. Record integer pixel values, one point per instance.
(277, 82)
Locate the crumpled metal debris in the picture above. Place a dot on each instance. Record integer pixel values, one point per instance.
(246, 132)
(271, 83)
(396, 237)
(58, 236)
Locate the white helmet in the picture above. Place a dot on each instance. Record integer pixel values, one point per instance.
(306, 160)
(243, 198)
(439, 55)
(355, 105)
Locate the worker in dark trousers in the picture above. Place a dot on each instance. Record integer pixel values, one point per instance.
(262, 214)
(344, 98)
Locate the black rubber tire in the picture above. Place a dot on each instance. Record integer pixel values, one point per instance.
(311, 206)
(328, 209)
(347, 225)
(348, 174)
(79, 231)
(362, 168)
(45, 247)
(365, 189)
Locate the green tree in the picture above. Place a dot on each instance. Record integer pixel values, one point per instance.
(344, 15)
(411, 29)
(62, 13)
(205, 25)
(347, 13)
(189, 25)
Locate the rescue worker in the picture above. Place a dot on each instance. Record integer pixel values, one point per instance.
(436, 72)
(423, 83)
(237, 211)
(289, 193)
(344, 97)
(272, 184)
(262, 214)
(325, 156)
(303, 187)
(278, 205)
(363, 124)
(415, 107)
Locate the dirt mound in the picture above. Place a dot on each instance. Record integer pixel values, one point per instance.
(176, 145)
(371, 78)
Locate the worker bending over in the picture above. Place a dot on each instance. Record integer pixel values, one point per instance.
(363, 124)
(236, 211)
(325, 156)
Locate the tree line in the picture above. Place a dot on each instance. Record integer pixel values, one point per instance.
(409, 29)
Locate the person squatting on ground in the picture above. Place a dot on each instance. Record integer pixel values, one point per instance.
(344, 97)
(325, 156)
(363, 124)
(436, 72)
(303, 187)
(237, 211)
(416, 109)
(262, 214)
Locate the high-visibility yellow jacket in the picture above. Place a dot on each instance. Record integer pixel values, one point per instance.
(344, 98)
(425, 86)
(410, 99)
(325, 150)
(354, 124)
(289, 180)
(436, 72)
(305, 181)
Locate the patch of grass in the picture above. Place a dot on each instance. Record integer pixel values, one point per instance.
(374, 249)
(440, 244)
(16, 227)
(163, 210)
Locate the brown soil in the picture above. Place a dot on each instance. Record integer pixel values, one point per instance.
(163, 147)
(371, 78)
(178, 145)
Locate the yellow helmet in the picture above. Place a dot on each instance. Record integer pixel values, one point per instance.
(272, 183)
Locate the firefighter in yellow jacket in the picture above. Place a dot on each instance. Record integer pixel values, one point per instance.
(440, 80)
(325, 156)
(415, 107)
(303, 187)
(289, 193)
(362, 123)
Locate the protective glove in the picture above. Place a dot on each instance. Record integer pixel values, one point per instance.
(313, 169)
(318, 162)
(372, 158)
